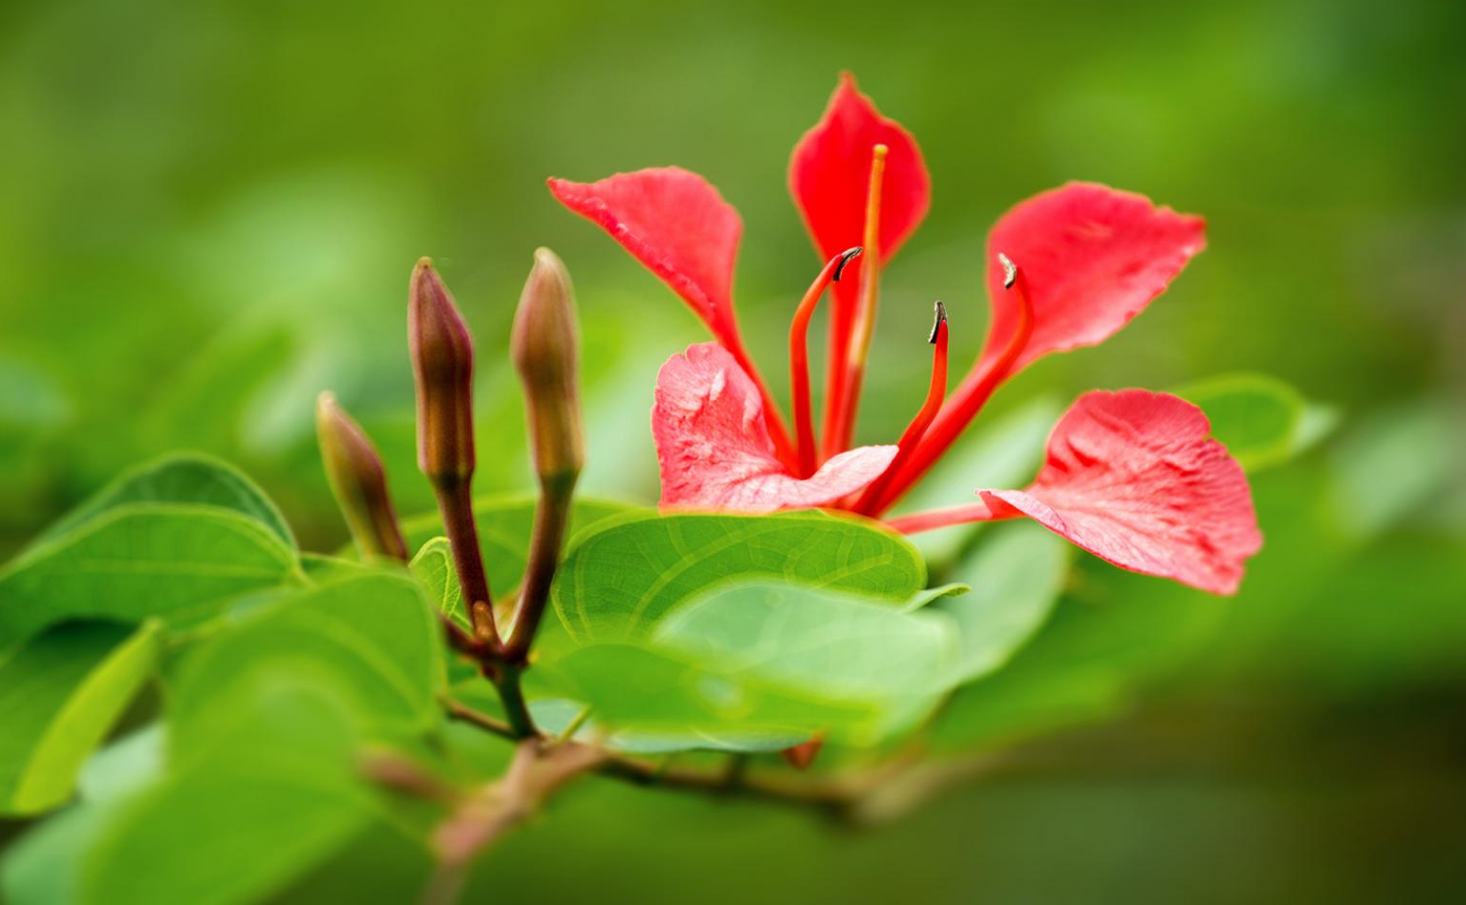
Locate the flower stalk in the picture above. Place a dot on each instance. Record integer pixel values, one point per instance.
(545, 347)
(442, 362)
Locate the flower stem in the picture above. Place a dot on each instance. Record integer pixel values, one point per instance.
(552, 516)
(455, 502)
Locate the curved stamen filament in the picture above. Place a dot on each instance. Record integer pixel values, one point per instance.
(906, 446)
(806, 453)
(848, 349)
(943, 518)
(970, 396)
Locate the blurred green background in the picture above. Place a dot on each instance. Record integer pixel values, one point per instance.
(209, 210)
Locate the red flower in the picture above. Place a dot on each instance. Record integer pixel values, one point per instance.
(1131, 476)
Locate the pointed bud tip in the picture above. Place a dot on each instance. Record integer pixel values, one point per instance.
(545, 348)
(441, 349)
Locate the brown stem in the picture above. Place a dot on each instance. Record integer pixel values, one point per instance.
(466, 714)
(551, 516)
(455, 502)
(536, 772)
(511, 693)
(870, 797)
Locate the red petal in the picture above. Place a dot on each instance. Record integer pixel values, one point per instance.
(714, 448)
(1132, 478)
(676, 224)
(1093, 257)
(830, 170)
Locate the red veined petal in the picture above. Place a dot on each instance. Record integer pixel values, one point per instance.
(1133, 478)
(1093, 256)
(830, 169)
(675, 223)
(714, 449)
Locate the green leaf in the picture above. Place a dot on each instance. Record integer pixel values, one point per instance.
(822, 642)
(505, 524)
(1017, 575)
(267, 722)
(43, 867)
(656, 693)
(180, 478)
(321, 568)
(372, 637)
(182, 564)
(433, 567)
(631, 571)
(61, 693)
(279, 794)
(1261, 420)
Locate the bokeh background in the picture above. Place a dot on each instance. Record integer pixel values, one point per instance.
(209, 210)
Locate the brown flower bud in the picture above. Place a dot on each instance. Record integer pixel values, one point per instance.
(357, 478)
(546, 349)
(442, 362)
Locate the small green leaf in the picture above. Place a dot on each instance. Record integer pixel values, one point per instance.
(652, 692)
(505, 524)
(1261, 420)
(188, 478)
(43, 867)
(1017, 575)
(631, 571)
(822, 642)
(279, 794)
(371, 636)
(433, 567)
(182, 564)
(321, 568)
(61, 693)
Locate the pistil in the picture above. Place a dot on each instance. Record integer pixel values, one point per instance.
(808, 455)
(850, 341)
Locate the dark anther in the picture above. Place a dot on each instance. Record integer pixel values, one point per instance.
(1010, 270)
(846, 258)
(937, 321)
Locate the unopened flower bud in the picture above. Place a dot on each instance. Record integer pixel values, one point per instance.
(357, 478)
(546, 348)
(442, 362)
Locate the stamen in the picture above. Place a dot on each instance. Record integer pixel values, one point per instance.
(942, 518)
(1010, 270)
(969, 398)
(848, 351)
(906, 446)
(799, 360)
